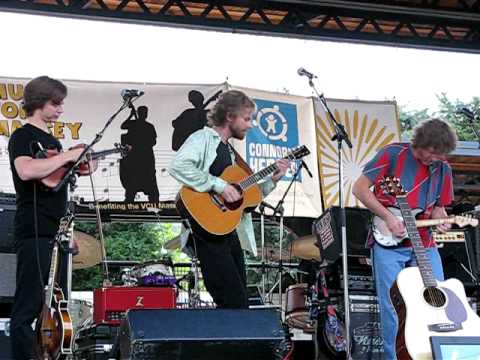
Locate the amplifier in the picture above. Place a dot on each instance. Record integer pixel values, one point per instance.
(5, 347)
(110, 304)
(8, 208)
(365, 327)
(327, 229)
(95, 342)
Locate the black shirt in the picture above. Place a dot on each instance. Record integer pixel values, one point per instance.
(51, 206)
(222, 161)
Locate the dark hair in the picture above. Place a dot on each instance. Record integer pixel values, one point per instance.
(434, 134)
(41, 90)
(230, 103)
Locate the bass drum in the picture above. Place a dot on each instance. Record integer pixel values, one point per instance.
(297, 308)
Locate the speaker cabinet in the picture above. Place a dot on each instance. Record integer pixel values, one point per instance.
(200, 334)
(8, 269)
(327, 229)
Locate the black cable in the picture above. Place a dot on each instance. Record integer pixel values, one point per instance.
(37, 241)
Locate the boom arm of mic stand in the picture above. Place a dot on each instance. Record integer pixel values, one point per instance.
(127, 102)
(341, 134)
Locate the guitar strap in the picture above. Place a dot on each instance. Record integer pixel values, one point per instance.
(239, 160)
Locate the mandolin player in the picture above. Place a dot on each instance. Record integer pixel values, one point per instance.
(38, 211)
(198, 164)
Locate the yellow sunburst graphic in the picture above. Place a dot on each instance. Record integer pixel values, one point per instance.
(367, 135)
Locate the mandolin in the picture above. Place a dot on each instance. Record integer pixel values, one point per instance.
(52, 180)
(54, 329)
(212, 212)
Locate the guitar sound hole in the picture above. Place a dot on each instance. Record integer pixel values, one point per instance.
(434, 296)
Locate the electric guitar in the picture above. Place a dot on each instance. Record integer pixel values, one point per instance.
(425, 307)
(53, 179)
(384, 237)
(54, 328)
(212, 212)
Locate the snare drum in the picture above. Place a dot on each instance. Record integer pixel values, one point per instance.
(297, 314)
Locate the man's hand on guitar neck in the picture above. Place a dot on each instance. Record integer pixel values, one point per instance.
(439, 212)
(282, 167)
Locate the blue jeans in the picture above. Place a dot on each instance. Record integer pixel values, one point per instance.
(387, 263)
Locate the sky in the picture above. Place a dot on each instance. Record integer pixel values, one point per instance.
(73, 49)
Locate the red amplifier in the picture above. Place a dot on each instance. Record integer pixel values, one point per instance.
(110, 304)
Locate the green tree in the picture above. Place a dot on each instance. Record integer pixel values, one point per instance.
(447, 108)
(129, 242)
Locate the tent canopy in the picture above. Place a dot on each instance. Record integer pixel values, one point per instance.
(433, 24)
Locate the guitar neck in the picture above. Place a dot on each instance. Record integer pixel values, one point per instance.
(103, 153)
(419, 250)
(433, 222)
(262, 174)
(51, 276)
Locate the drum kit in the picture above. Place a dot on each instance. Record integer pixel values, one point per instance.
(300, 298)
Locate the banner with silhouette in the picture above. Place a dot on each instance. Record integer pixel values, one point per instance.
(155, 128)
(370, 125)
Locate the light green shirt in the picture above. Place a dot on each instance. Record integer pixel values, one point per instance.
(191, 167)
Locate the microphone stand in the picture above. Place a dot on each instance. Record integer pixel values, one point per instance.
(279, 209)
(261, 207)
(340, 136)
(70, 175)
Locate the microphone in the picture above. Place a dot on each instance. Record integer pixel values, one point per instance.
(302, 72)
(462, 110)
(129, 93)
(304, 164)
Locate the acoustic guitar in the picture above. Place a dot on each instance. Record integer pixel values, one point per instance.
(425, 307)
(53, 179)
(384, 237)
(54, 328)
(212, 212)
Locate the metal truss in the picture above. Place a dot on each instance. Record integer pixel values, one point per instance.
(434, 24)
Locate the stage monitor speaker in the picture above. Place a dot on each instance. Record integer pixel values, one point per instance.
(200, 334)
(327, 229)
(8, 269)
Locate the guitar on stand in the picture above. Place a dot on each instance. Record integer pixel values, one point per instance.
(54, 328)
(425, 307)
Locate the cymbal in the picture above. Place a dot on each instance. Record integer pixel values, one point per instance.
(305, 248)
(90, 251)
(174, 243)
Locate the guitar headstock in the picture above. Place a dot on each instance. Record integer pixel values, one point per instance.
(465, 220)
(391, 186)
(122, 149)
(65, 225)
(298, 153)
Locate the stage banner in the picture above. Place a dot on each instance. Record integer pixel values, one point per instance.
(281, 123)
(370, 125)
(159, 123)
(155, 128)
